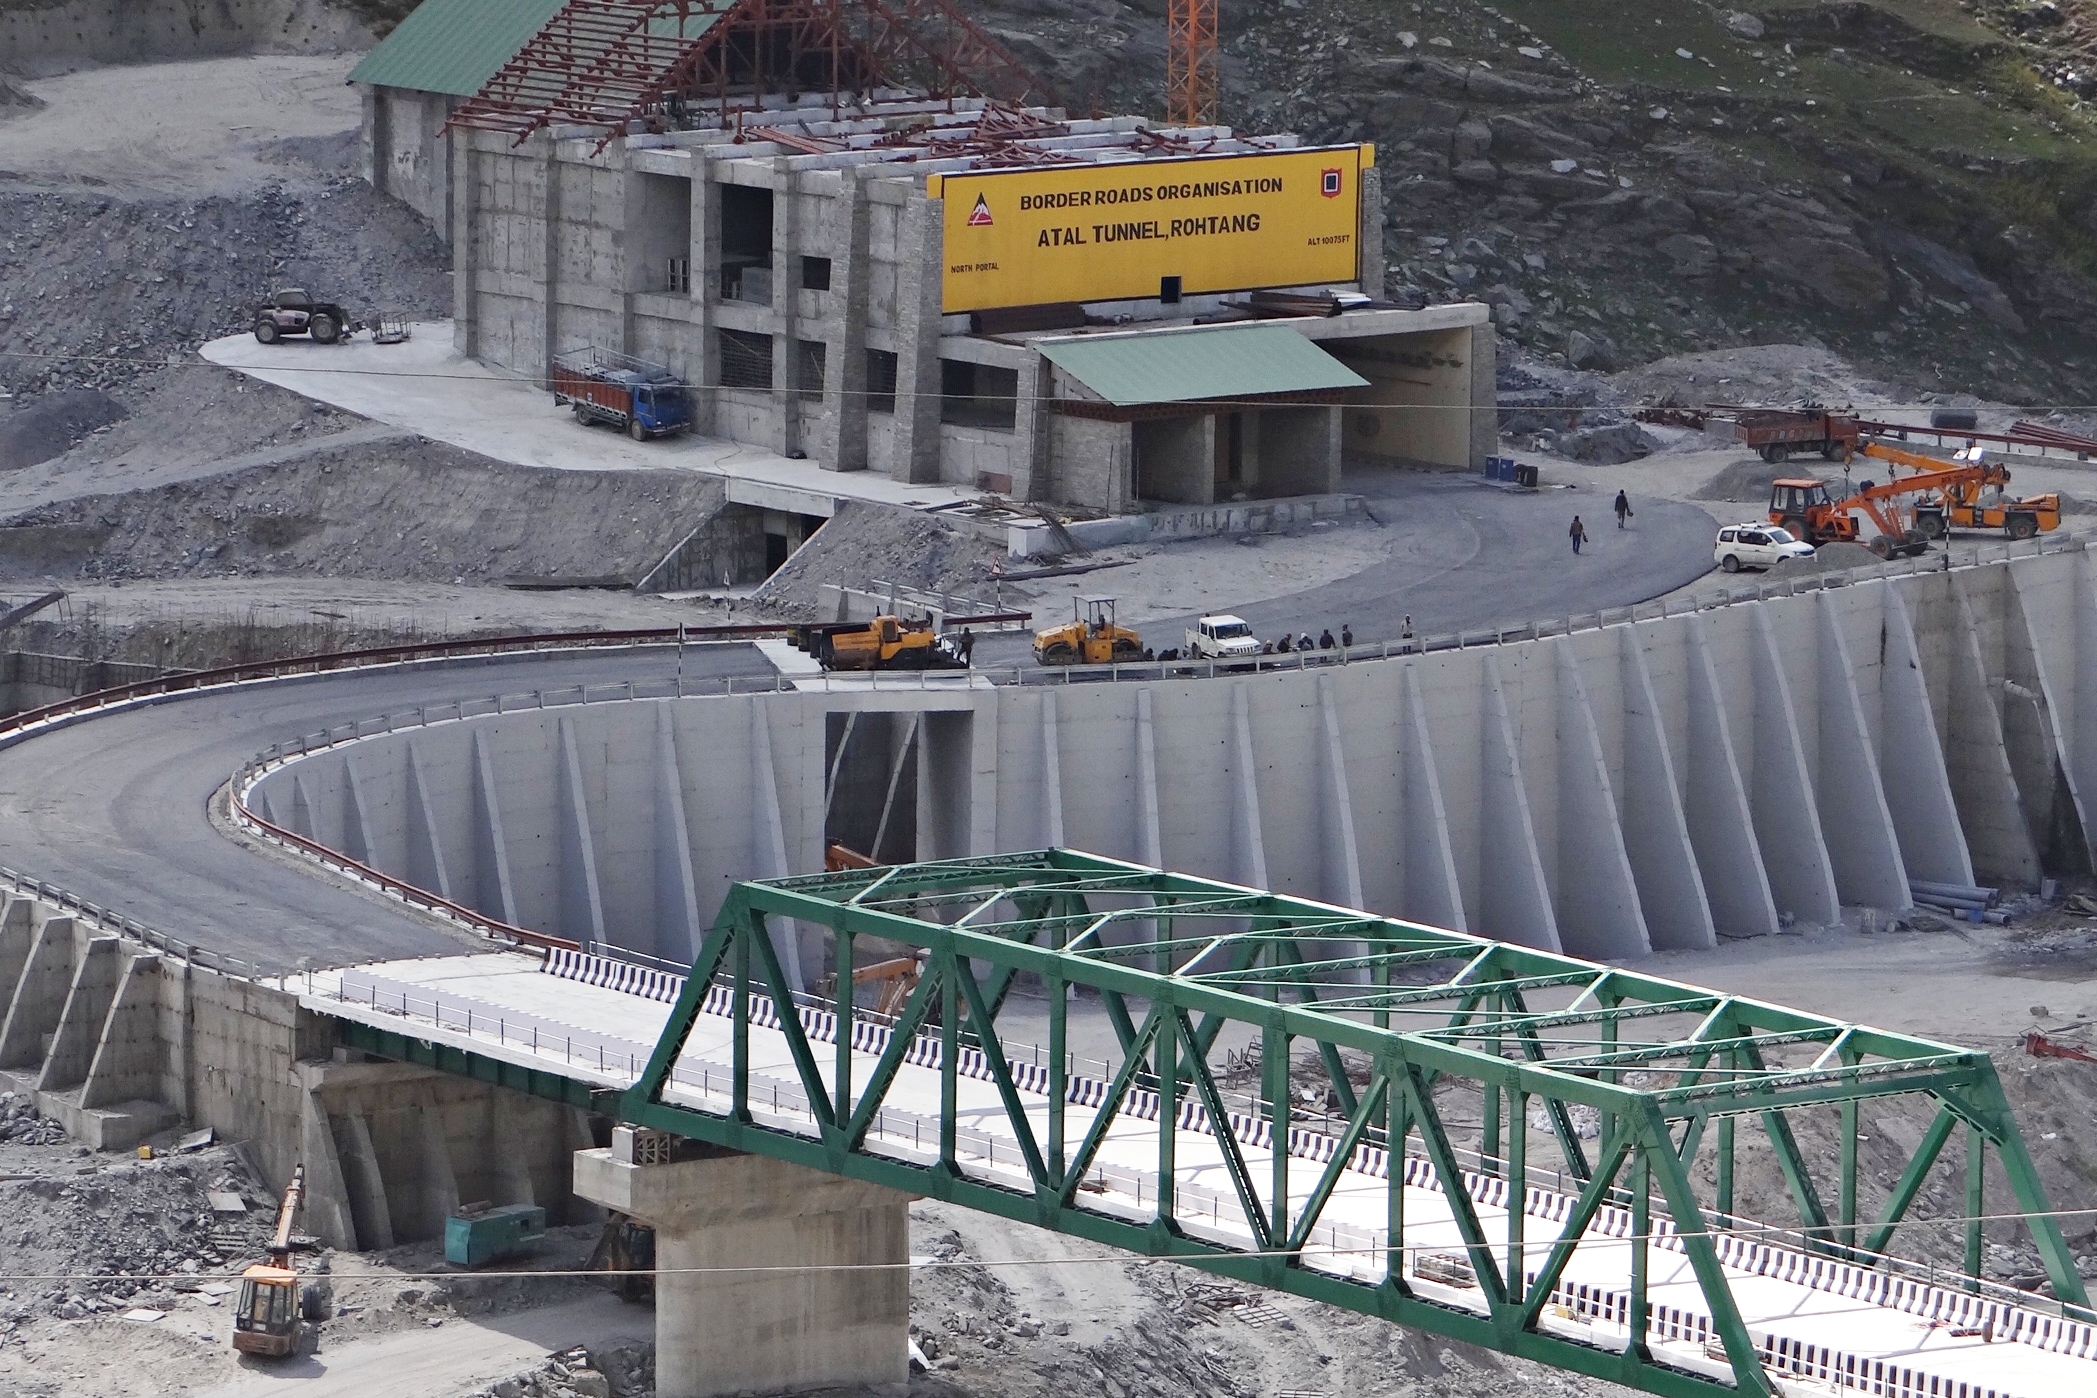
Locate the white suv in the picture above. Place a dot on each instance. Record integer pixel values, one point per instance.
(1756, 546)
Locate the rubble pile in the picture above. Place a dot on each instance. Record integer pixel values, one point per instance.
(130, 1233)
(624, 1369)
(20, 1124)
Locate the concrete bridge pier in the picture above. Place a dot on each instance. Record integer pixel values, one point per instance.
(721, 1328)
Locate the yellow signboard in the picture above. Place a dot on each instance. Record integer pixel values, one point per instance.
(1123, 232)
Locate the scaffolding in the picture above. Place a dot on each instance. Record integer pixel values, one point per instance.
(624, 65)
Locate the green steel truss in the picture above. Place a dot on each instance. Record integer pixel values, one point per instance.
(1398, 1024)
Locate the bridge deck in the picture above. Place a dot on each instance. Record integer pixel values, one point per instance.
(1813, 1318)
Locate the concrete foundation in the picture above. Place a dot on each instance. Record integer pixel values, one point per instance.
(118, 1042)
(721, 1329)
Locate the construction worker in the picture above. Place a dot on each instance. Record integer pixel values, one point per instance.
(967, 644)
(1578, 533)
(1325, 640)
(1623, 508)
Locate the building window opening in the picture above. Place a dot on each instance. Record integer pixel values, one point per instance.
(978, 395)
(815, 274)
(746, 359)
(810, 358)
(1169, 291)
(880, 381)
(746, 244)
(680, 277)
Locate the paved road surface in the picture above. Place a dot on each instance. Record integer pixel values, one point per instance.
(424, 1363)
(1470, 555)
(113, 809)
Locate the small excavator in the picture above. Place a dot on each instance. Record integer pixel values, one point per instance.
(266, 1319)
(1965, 492)
(1091, 637)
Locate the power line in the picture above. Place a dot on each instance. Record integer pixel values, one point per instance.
(1537, 1243)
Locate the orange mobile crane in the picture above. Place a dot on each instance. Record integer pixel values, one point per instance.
(1970, 494)
(1964, 493)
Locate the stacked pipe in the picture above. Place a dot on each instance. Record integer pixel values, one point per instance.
(1966, 901)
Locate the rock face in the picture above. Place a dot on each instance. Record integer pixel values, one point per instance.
(1808, 172)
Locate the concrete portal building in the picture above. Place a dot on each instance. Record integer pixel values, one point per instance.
(941, 286)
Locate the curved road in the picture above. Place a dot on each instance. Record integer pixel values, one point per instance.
(1470, 555)
(114, 809)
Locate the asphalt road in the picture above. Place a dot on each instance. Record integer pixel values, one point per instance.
(1470, 555)
(114, 809)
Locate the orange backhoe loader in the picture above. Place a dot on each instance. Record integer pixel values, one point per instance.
(266, 1318)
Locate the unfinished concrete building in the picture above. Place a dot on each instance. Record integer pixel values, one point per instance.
(859, 240)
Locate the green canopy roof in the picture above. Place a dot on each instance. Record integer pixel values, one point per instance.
(454, 46)
(1231, 361)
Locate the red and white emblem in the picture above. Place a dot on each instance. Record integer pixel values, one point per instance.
(979, 216)
(1328, 185)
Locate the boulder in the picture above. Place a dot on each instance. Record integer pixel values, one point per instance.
(1742, 25)
(1471, 141)
(1479, 174)
(1585, 351)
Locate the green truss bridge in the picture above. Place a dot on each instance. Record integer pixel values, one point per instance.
(1514, 1148)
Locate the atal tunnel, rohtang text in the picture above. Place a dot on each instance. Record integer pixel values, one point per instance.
(1651, 785)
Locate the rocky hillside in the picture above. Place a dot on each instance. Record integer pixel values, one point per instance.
(1910, 182)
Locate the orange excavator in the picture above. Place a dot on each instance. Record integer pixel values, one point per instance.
(1965, 492)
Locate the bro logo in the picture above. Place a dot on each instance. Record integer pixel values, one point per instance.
(1329, 185)
(979, 216)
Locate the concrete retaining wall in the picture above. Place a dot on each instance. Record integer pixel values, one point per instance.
(120, 1042)
(1641, 786)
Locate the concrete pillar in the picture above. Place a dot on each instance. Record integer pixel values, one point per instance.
(1911, 758)
(1485, 393)
(17, 935)
(365, 1184)
(1656, 829)
(426, 865)
(438, 1192)
(768, 858)
(1514, 897)
(550, 257)
(582, 902)
(465, 246)
(1597, 906)
(1341, 878)
(356, 827)
(920, 253)
(302, 808)
(1780, 791)
(723, 1330)
(1715, 800)
(494, 892)
(1432, 892)
(1858, 828)
(39, 996)
(1248, 848)
(1977, 758)
(703, 355)
(1051, 772)
(512, 1139)
(844, 444)
(128, 1053)
(678, 930)
(1150, 839)
(786, 299)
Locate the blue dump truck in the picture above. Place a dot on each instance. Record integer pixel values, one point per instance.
(645, 400)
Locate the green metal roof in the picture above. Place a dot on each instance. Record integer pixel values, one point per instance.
(1238, 361)
(454, 46)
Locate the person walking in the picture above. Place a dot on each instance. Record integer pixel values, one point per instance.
(1623, 508)
(967, 644)
(1578, 533)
